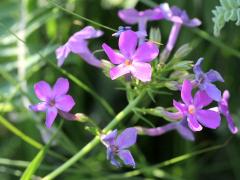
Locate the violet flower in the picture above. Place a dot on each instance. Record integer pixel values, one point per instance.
(224, 109)
(131, 60)
(132, 16)
(118, 146)
(192, 108)
(78, 44)
(54, 100)
(122, 29)
(205, 81)
(178, 17)
(181, 127)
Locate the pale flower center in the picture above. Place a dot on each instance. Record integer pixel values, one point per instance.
(191, 109)
(127, 62)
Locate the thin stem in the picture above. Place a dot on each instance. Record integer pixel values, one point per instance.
(86, 149)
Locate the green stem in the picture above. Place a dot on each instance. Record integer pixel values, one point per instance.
(19, 133)
(86, 149)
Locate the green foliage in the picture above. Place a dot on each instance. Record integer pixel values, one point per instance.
(229, 10)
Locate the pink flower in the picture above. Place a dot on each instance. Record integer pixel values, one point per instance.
(131, 60)
(54, 100)
(192, 108)
(78, 44)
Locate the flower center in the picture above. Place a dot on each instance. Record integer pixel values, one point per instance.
(52, 102)
(191, 109)
(128, 62)
(114, 148)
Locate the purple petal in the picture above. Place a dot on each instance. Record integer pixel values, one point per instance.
(129, 16)
(201, 99)
(64, 102)
(60, 87)
(42, 106)
(127, 138)
(77, 45)
(114, 57)
(231, 124)
(186, 92)
(193, 22)
(213, 76)
(89, 58)
(209, 118)
(141, 71)
(146, 52)
(50, 116)
(61, 54)
(212, 91)
(43, 90)
(127, 43)
(197, 67)
(180, 107)
(193, 123)
(185, 132)
(110, 137)
(118, 71)
(88, 33)
(127, 158)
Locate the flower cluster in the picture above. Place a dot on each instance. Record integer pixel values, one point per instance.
(137, 59)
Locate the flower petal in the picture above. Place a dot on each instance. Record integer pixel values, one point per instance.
(43, 90)
(88, 32)
(60, 87)
(141, 71)
(42, 106)
(232, 127)
(180, 107)
(129, 16)
(50, 116)
(185, 132)
(193, 123)
(201, 99)
(61, 54)
(186, 92)
(127, 138)
(127, 43)
(114, 57)
(214, 76)
(117, 71)
(146, 52)
(212, 91)
(127, 158)
(209, 118)
(197, 68)
(64, 103)
(110, 137)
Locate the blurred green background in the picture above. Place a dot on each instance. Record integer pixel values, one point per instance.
(44, 27)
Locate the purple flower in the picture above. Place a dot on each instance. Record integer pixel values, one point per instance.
(224, 109)
(131, 60)
(118, 146)
(178, 17)
(205, 81)
(132, 16)
(121, 29)
(181, 127)
(53, 99)
(192, 108)
(78, 44)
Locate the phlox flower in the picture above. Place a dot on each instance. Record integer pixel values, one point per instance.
(118, 145)
(192, 108)
(132, 16)
(78, 44)
(179, 18)
(224, 109)
(131, 60)
(205, 80)
(54, 100)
